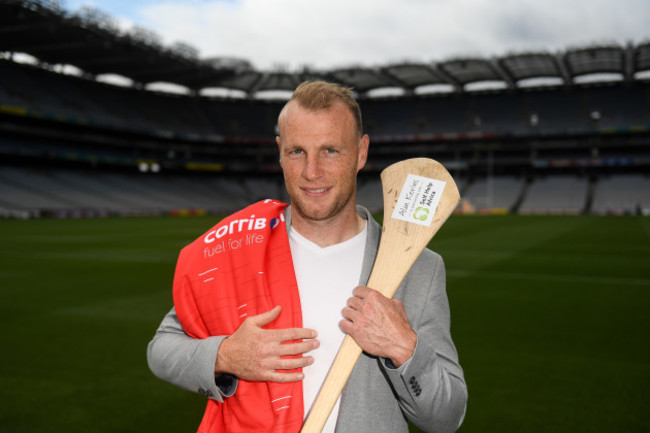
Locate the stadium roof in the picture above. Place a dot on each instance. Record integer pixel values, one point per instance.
(91, 41)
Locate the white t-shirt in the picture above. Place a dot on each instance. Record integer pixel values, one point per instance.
(326, 278)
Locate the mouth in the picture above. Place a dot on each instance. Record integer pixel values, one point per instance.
(315, 191)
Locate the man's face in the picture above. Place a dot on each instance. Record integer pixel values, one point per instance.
(320, 155)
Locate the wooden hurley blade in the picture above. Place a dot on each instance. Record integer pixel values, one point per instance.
(419, 196)
(410, 223)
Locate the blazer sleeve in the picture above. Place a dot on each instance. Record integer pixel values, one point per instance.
(188, 363)
(430, 386)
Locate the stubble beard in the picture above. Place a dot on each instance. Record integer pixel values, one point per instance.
(303, 209)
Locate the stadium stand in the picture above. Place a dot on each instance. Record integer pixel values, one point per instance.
(556, 195)
(73, 192)
(496, 194)
(72, 145)
(622, 194)
(370, 194)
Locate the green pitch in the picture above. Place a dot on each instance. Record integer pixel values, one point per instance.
(550, 316)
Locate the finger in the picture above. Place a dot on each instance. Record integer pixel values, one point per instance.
(295, 363)
(290, 334)
(267, 317)
(284, 377)
(345, 326)
(350, 314)
(292, 349)
(361, 291)
(354, 303)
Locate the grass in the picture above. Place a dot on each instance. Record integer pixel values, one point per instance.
(549, 314)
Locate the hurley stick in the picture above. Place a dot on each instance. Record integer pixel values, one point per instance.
(419, 196)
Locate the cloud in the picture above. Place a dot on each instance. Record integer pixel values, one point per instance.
(344, 32)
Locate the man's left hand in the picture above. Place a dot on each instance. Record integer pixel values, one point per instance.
(379, 325)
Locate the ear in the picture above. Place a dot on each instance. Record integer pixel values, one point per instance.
(362, 154)
(279, 143)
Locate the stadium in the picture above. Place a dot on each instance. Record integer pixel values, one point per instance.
(520, 148)
(551, 149)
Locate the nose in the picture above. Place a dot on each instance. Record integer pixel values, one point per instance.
(313, 168)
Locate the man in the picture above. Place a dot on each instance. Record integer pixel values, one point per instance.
(409, 368)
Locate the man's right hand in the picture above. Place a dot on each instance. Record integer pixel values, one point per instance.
(256, 354)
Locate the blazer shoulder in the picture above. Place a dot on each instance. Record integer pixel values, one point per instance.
(430, 257)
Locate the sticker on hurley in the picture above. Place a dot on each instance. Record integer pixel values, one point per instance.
(418, 199)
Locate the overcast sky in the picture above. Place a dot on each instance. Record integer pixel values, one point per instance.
(333, 33)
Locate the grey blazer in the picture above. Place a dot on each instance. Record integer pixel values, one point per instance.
(429, 389)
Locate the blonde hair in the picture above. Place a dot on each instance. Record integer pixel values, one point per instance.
(321, 95)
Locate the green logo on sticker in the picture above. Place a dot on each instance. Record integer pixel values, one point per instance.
(421, 213)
